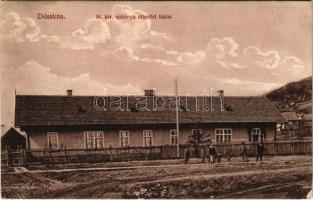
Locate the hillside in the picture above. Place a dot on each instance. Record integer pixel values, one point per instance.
(294, 96)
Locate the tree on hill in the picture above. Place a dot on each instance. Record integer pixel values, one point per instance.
(292, 93)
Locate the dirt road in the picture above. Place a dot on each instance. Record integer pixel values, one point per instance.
(280, 177)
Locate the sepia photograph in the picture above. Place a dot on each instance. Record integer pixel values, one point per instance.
(156, 99)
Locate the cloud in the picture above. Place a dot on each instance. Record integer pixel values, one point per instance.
(191, 58)
(21, 29)
(250, 86)
(292, 61)
(35, 79)
(132, 55)
(118, 32)
(220, 48)
(158, 61)
(132, 32)
(94, 32)
(292, 68)
(158, 48)
(269, 59)
(51, 38)
(221, 52)
(160, 35)
(115, 32)
(45, 82)
(225, 64)
(127, 51)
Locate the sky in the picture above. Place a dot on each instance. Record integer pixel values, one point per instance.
(243, 48)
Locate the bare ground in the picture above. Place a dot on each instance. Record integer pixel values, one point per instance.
(277, 177)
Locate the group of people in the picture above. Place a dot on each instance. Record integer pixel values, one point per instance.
(212, 155)
(259, 151)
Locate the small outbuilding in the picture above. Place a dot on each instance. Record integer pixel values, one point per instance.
(13, 139)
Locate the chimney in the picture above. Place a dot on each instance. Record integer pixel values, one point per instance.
(149, 92)
(69, 93)
(220, 93)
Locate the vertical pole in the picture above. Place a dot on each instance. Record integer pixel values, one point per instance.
(44, 155)
(177, 121)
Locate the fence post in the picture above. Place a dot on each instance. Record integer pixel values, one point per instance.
(290, 145)
(7, 162)
(274, 147)
(65, 155)
(23, 157)
(44, 155)
(110, 150)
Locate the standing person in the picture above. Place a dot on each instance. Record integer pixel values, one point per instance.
(219, 157)
(212, 153)
(187, 154)
(260, 151)
(243, 151)
(204, 154)
(209, 153)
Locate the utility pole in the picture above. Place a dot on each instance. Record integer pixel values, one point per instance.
(177, 120)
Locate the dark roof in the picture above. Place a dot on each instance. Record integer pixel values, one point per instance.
(12, 131)
(293, 116)
(13, 139)
(290, 116)
(307, 117)
(80, 110)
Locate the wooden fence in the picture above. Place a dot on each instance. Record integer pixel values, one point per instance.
(101, 155)
(4, 158)
(64, 156)
(10, 157)
(304, 132)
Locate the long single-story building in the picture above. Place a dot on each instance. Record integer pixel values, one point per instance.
(82, 122)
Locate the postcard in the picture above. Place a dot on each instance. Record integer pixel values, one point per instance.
(156, 99)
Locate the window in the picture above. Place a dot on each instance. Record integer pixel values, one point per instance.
(173, 136)
(257, 135)
(124, 138)
(196, 131)
(94, 139)
(197, 135)
(147, 138)
(223, 135)
(52, 140)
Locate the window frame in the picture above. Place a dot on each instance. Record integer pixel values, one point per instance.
(196, 129)
(224, 132)
(121, 136)
(57, 139)
(145, 136)
(261, 136)
(256, 132)
(174, 136)
(94, 136)
(192, 130)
